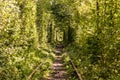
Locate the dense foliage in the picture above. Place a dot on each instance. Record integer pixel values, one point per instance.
(97, 41)
(20, 51)
(90, 30)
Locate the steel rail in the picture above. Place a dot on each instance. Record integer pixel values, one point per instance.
(76, 70)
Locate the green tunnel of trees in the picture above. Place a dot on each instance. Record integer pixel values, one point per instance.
(89, 29)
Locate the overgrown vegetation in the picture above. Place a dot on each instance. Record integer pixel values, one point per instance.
(96, 39)
(90, 31)
(20, 50)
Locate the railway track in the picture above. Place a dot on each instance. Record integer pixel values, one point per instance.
(59, 69)
(74, 67)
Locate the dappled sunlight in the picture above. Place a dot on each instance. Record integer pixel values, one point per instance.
(59, 40)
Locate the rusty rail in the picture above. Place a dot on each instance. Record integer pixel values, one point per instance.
(78, 74)
(34, 71)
